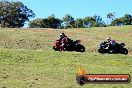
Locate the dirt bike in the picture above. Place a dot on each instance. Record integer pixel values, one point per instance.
(105, 47)
(70, 46)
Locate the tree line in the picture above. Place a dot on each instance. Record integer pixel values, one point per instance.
(15, 14)
(67, 22)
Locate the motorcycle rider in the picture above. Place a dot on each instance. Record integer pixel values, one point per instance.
(111, 43)
(64, 40)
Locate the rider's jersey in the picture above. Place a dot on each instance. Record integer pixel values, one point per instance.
(64, 41)
(112, 42)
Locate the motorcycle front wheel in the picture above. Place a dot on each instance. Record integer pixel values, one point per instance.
(124, 51)
(56, 48)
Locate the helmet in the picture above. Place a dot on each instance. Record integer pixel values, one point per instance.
(62, 35)
(108, 39)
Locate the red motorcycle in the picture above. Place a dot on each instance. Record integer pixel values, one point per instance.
(71, 46)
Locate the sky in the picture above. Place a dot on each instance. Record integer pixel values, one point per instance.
(78, 8)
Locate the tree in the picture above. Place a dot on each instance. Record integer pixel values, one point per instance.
(94, 21)
(50, 22)
(99, 22)
(125, 20)
(111, 16)
(88, 21)
(79, 23)
(14, 14)
(54, 22)
(69, 21)
(117, 22)
(37, 23)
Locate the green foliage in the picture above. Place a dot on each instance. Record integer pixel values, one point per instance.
(69, 21)
(54, 22)
(50, 22)
(99, 22)
(67, 18)
(95, 21)
(111, 15)
(88, 21)
(125, 20)
(37, 23)
(14, 14)
(79, 23)
(117, 22)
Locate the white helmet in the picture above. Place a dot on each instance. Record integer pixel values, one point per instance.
(109, 38)
(62, 34)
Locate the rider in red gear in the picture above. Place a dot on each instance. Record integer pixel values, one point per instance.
(64, 41)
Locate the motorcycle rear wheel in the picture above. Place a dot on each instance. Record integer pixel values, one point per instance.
(80, 48)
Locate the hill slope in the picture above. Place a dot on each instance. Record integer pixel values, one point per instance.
(42, 39)
(27, 58)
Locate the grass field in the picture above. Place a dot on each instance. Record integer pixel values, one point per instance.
(28, 61)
